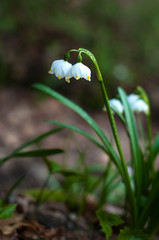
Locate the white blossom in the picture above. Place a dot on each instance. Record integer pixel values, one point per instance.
(115, 104)
(61, 69)
(132, 98)
(79, 70)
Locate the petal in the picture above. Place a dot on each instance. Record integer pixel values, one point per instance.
(132, 98)
(55, 64)
(59, 73)
(75, 71)
(140, 106)
(79, 70)
(66, 68)
(86, 72)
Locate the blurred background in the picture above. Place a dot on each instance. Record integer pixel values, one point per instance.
(122, 34)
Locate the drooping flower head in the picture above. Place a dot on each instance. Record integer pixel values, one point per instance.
(140, 106)
(61, 69)
(137, 105)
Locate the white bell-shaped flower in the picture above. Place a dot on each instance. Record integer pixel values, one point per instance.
(79, 70)
(140, 106)
(115, 104)
(61, 69)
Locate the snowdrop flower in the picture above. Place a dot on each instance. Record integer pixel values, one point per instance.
(79, 70)
(115, 104)
(137, 104)
(140, 106)
(61, 68)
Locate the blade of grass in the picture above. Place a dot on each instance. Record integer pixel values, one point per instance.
(155, 148)
(39, 153)
(27, 144)
(152, 200)
(6, 199)
(71, 127)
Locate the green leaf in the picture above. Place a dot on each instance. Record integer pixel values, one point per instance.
(128, 234)
(79, 131)
(48, 194)
(54, 167)
(27, 144)
(1, 205)
(39, 153)
(8, 211)
(107, 220)
(8, 194)
(151, 201)
(96, 167)
(134, 140)
(86, 117)
(155, 148)
(140, 91)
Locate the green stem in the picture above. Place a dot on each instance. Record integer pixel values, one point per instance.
(144, 96)
(149, 130)
(149, 133)
(125, 176)
(39, 198)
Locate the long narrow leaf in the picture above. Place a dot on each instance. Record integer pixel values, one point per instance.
(152, 200)
(155, 148)
(86, 117)
(71, 127)
(133, 135)
(39, 153)
(29, 143)
(8, 194)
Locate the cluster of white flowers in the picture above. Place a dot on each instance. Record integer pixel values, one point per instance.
(64, 69)
(136, 104)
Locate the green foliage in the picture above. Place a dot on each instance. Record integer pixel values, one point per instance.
(128, 234)
(144, 180)
(107, 221)
(39, 153)
(13, 187)
(48, 195)
(134, 142)
(155, 147)
(6, 211)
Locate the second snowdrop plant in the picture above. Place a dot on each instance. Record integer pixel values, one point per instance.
(141, 188)
(137, 105)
